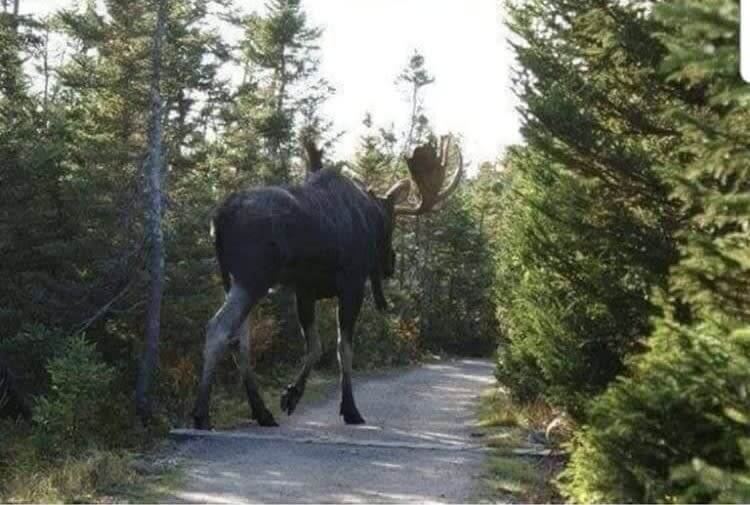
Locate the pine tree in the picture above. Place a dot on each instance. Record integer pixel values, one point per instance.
(282, 46)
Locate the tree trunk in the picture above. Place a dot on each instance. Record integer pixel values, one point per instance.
(155, 236)
(46, 69)
(12, 402)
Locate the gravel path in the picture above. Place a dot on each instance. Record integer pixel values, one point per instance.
(416, 447)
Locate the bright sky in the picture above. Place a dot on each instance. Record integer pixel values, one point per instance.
(366, 43)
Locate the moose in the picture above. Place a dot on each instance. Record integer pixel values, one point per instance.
(323, 239)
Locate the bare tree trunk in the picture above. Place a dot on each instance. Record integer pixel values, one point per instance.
(414, 106)
(10, 84)
(45, 67)
(420, 273)
(155, 236)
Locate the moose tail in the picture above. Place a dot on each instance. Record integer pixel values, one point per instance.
(216, 232)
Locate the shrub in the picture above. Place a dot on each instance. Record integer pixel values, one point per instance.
(572, 300)
(384, 340)
(30, 367)
(70, 418)
(686, 401)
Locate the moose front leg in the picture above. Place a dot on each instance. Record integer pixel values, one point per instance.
(350, 302)
(313, 352)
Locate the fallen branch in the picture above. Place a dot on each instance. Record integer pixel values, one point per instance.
(103, 310)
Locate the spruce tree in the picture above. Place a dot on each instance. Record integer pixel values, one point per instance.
(281, 46)
(589, 218)
(677, 427)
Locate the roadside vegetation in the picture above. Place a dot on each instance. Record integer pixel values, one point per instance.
(625, 257)
(524, 462)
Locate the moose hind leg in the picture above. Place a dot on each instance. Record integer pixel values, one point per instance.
(349, 306)
(226, 321)
(258, 408)
(313, 352)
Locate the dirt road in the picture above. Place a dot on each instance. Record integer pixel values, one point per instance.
(416, 447)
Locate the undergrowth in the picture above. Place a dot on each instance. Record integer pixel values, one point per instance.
(505, 426)
(29, 475)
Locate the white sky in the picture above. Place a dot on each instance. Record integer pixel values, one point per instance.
(366, 43)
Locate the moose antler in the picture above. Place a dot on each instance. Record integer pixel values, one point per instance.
(428, 171)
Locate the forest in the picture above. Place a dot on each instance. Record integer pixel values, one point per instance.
(603, 262)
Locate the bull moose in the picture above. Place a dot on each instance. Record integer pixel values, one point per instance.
(323, 239)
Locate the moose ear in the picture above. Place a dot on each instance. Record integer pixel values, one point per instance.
(399, 192)
(314, 156)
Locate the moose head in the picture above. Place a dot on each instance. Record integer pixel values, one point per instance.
(428, 167)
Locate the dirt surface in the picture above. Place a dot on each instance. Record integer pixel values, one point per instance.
(416, 447)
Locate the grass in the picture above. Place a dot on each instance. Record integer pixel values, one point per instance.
(73, 479)
(148, 489)
(497, 409)
(27, 474)
(505, 426)
(525, 480)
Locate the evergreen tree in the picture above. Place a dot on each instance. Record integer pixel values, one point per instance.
(414, 78)
(588, 218)
(374, 163)
(677, 428)
(282, 46)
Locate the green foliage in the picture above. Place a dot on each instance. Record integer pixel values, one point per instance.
(32, 366)
(587, 223)
(69, 419)
(286, 93)
(727, 486)
(679, 405)
(457, 269)
(675, 428)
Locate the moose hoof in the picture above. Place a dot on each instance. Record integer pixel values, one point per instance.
(290, 399)
(354, 418)
(202, 423)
